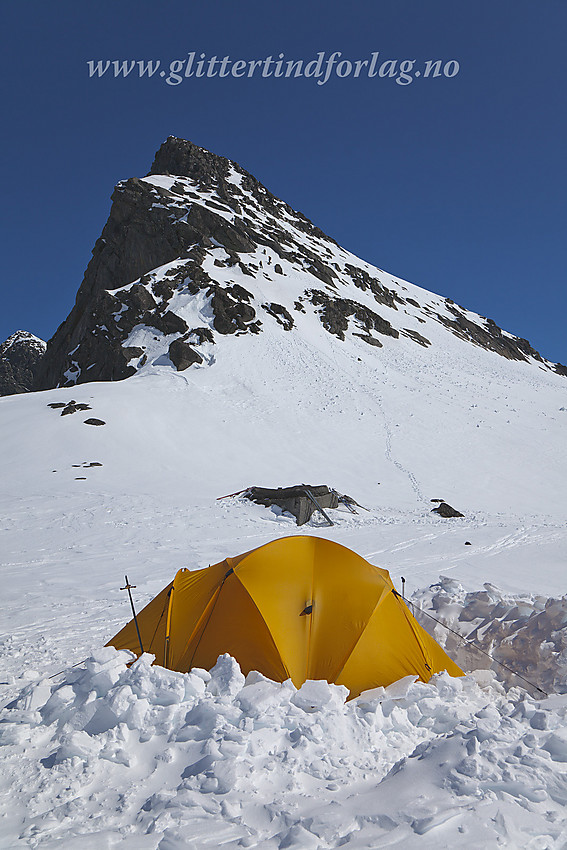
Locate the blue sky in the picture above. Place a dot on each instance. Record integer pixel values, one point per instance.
(456, 183)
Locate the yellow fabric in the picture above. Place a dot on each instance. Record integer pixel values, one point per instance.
(390, 648)
(193, 592)
(233, 624)
(299, 607)
(280, 580)
(287, 575)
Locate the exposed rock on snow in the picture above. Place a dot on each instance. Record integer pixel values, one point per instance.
(280, 314)
(69, 407)
(336, 313)
(446, 511)
(20, 356)
(182, 355)
(488, 335)
(74, 407)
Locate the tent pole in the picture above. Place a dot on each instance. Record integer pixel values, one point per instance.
(167, 628)
(128, 587)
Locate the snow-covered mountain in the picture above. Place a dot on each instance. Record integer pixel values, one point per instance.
(199, 250)
(258, 352)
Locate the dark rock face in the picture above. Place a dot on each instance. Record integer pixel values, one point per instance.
(337, 312)
(417, 337)
(490, 336)
(280, 314)
(132, 242)
(167, 323)
(20, 358)
(364, 281)
(180, 156)
(148, 227)
(230, 236)
(231, 313)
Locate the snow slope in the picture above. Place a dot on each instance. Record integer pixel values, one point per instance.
(265, 770)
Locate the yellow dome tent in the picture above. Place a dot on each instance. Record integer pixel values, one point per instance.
(299, 607)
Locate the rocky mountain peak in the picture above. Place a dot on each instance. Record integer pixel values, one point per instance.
(181, 157)
(199, 250)
(20, 357)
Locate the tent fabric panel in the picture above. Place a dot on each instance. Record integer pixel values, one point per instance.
(234, 624)
(192, 593)
(151, 622)
(390, 649)
(346, 591)
(279, 578)
(298, 607)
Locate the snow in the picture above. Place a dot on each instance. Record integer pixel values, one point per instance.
(138, 756)
(183, 188)
(194, 760)
(523, 633)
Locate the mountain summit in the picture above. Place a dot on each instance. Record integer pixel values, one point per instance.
(199, 250)
(20, 356)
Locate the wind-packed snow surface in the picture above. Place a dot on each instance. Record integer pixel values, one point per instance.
(142, 757)
(127, 480)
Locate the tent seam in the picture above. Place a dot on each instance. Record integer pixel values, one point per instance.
(160, 619)
(313, 608)
(426, 657)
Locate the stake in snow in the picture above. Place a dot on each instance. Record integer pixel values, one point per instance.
(259, 352)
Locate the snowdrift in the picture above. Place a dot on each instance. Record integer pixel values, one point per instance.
(150, 758)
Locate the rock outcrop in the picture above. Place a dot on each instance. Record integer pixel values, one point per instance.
(20, 359)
